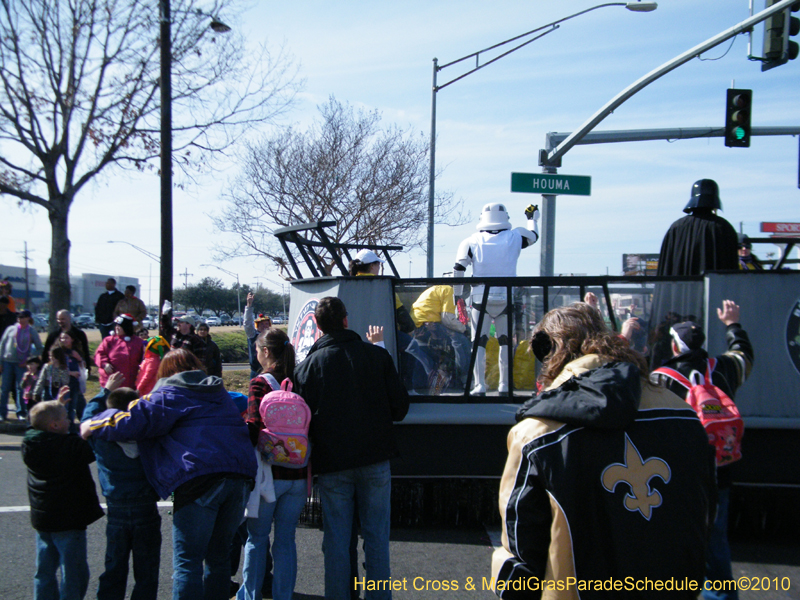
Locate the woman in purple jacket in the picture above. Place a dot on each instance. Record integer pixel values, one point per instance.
(193, 443)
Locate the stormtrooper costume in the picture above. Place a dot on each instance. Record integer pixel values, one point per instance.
(493, 252)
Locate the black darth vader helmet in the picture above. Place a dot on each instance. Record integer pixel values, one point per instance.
(705, 194)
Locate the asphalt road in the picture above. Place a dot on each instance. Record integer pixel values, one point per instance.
(428, 556)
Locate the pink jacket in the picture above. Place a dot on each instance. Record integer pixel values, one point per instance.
(147, 373)
(123, 356)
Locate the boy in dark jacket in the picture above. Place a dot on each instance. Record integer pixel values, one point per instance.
(729, 371)
(134, 525)
(63, 500)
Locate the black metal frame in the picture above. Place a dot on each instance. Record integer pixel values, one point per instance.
(308, 248)
(784, 258)
(605, 282)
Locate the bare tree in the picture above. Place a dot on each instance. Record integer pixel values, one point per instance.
(372, 182)
(79, 93)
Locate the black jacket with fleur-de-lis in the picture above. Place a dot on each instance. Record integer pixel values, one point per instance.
(608, 477)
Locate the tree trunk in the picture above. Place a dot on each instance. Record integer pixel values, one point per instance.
(59, 257)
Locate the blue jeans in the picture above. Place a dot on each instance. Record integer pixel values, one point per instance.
(718, 554)
(65, 550)
(372, 487)
(290, 500)
(131, 530)
(12, 379)
(77, 403)
(105, 330)
(202, 532)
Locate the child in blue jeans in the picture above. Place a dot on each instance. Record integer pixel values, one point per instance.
(134, 525)
(63, 500)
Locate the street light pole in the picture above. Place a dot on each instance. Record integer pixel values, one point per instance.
(165, 33)
(432, 175)
(634, 6)
(149, 255)
(165, 287)
(238, 287)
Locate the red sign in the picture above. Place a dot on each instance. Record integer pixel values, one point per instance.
(784, 228)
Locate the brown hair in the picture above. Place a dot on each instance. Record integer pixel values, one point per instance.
(76, 345)
(121, 397)
(44, 413)
(577, 330)
(58, 354)
(178, 361)
(356, 267)
(330, 314)
(277, 342)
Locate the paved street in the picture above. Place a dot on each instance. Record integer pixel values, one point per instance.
(428, 556)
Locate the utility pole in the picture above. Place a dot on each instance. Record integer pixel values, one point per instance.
(186, 276)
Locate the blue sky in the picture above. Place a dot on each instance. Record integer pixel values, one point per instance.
(378, 55)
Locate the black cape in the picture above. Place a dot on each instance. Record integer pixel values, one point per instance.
(696, 243)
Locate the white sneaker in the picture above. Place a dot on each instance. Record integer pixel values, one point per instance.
(502, 388)
(478, 390)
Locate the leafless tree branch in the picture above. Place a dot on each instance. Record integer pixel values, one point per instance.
(372, 181)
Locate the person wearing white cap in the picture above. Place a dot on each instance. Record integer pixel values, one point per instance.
(493, 252)
(367, 263)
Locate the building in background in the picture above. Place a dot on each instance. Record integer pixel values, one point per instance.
(85, 288)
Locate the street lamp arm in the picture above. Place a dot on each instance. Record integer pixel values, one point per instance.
(142, 250)
(478, 67)
(238, 287)
(553, 157)
(215, 24)
(635, 6)
(550, 28)
(223, 270)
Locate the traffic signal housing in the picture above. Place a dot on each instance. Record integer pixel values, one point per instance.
(737, 118)
(778, 29)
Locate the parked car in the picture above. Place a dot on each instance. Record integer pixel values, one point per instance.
(277, 320)
(39, 324)
(236, 321)
(84, 321)
(225, 319)
(213, 321)
(150, 322)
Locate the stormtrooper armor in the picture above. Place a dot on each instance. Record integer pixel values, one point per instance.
(493, 252)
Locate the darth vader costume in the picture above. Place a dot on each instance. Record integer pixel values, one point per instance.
(702, 240)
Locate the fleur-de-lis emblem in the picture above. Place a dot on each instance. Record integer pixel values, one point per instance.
(637, 474)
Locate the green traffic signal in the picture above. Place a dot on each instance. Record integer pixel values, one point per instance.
(738, 108)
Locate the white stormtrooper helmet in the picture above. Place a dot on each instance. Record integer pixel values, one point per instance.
(494, 217)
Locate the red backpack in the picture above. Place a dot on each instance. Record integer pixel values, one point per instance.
(286, 416)
(717, 412)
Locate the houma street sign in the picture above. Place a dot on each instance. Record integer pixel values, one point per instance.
(548, 183)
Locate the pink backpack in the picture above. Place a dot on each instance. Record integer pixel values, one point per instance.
(717, 412)
(286, 416)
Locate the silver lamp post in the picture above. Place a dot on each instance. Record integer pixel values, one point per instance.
(541, 32)
(238, 287)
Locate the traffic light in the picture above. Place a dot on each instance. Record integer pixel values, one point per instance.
(737, 118)
(778, 48)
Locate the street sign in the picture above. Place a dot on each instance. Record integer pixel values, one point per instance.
(549, 183)
(781, 228)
